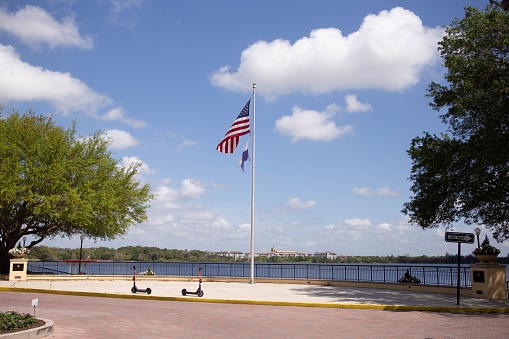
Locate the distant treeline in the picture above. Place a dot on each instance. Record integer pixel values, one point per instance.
(142, 253)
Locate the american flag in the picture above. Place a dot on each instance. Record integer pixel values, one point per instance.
(239, 127)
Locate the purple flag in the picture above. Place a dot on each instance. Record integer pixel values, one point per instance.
(245, 155)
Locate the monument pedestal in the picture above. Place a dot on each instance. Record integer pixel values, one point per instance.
(18, 269)
(488, 281)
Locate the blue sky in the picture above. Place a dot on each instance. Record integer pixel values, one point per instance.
(340, 94)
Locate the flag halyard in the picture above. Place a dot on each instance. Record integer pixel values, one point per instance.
(239, 128)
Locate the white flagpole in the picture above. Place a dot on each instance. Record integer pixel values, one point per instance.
(253, 184)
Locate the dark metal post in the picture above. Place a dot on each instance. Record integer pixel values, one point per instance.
(81, 249)
(458, 287)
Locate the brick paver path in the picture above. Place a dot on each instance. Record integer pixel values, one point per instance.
(95, 317)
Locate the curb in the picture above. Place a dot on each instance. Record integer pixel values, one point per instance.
(36, 332)
(458, 309)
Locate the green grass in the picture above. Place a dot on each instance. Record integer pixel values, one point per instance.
(11, 320)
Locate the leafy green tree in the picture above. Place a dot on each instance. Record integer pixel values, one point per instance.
(44, 253)
(56, 183)
(463, 175)
(102, 253)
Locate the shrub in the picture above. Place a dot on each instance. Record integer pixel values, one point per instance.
(11, 320)
(486, 248)
(409, 279)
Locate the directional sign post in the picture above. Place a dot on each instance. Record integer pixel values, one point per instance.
(458, 237)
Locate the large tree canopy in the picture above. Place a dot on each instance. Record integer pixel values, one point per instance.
(56, 183)
(464, 174)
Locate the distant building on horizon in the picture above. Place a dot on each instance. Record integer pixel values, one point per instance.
(231, 254)
(275, 253)
(326, 255)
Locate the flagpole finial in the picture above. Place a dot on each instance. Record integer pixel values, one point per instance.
(254, 85)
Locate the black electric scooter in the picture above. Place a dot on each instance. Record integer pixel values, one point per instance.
(199, 291)
(135, 289)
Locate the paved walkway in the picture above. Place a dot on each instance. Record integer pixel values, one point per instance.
(267, 293)
(108, 309)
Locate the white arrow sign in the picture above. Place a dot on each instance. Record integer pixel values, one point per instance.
(459, 237)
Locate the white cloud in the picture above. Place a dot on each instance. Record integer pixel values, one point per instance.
(311, 125)
(241, 232)
(117, 114)
(20, 81)
(120, 139)
(176, 213)
(384, 227)
(192, 189)
(276, 231)
(353, 105)
(333, 108)
(165, 198)
(295, 203)
(34, 26)
(122, 5)
(389, 51)
(353, 228)
(184, 144)
(382, 191)
(402, 225)
(124, 13)
(354, 222)
(142, 169)
(363, 190)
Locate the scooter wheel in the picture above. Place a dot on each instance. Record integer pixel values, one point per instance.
(134, 290)
(184, 291)
(200, 293)
(149, 290)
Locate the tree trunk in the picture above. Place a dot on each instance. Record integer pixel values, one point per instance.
(4, 262)
(5, 258)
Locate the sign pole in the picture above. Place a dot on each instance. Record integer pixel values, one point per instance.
(459, 238)
(458, 287)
